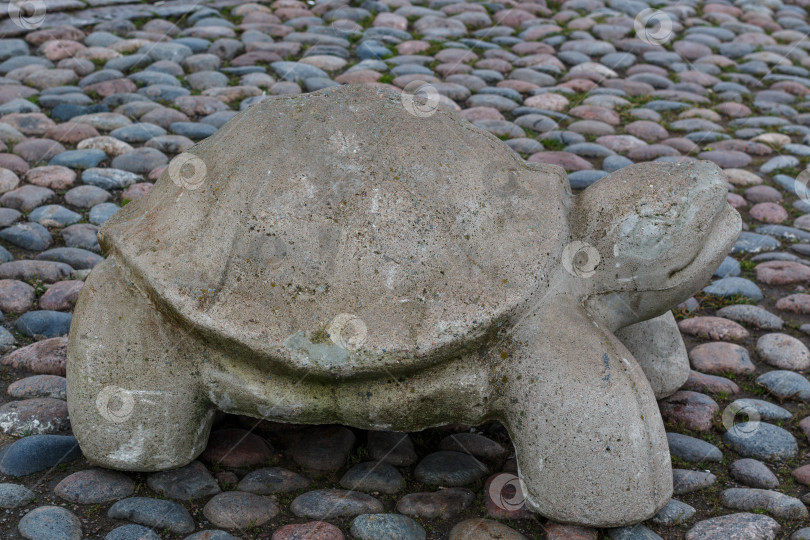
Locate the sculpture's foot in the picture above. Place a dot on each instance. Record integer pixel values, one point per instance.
(132, 392)
(658, 347)
(590, 442)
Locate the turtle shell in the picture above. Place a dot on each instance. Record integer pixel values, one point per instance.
(346, 232)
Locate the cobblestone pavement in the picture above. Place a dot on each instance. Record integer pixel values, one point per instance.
(96, 97)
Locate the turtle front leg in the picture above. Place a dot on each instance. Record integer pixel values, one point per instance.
(658, 347)
(134, 399)
(590, 442)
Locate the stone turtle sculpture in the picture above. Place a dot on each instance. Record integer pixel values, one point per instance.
(333, 258)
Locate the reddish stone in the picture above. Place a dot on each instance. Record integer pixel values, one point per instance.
(758, 194)
(473, 114)
(782, 272)
(693, 409)
(288, 88)
(113, 86)
(234, 448)
(34, 416)
(136, 191)
(71, 133)
(31, 124)
(691, 51)
(749, 147)
(155, 174)
(742, 177)
(412, 47)
(579, 86)
(239, 510)
(733, 110)
(287, 13)
(651, 151)
(802, 475)
(16, 296)
(445, 503)
(61, 296)
(646, 130)
(710, 384)
(548, 100)
(199, 105)
(512, 17)
(620, 143)
(805, 427)
(254, 57)
(314, 530)
(15, 91)
(495, 64)
(165, 117)
(529, 48)
(455, 55)
(95, 486)
(39, 37)
(715, 328)
(681, 144)
(46, 357)
(59, 49)
(361, 76)
(391, 20)
(592, 112)
(15, 164)
(797, 303)
(723, 8)
(54, 177)
(736, 201)
(768, 212)
(791, 87)
(450, 68)
(558, 531)
(721, 357)
(38, 150)
(633, 88)
(566, 160)
(229, 94)
(52, 386)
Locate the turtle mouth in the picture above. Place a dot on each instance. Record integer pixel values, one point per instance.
(722, 235)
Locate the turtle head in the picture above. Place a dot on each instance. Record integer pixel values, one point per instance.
(649, 236)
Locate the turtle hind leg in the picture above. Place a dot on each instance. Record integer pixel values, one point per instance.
(590, 442)
(658, 347)
(133, 396)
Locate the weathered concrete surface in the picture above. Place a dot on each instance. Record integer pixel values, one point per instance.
(658, 347)
(440, 280)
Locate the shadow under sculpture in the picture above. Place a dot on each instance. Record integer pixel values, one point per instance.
(334, 258)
